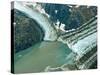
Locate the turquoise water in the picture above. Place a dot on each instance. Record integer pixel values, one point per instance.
(38, 57)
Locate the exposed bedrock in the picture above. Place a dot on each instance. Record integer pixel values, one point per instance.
(31, 27)
(43, 21)
(83, 42)
(27, 31)
(81, 38)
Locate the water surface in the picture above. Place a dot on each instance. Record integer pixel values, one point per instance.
(38, 57)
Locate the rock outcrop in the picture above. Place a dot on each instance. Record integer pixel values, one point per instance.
(83, 42)
(31, 27)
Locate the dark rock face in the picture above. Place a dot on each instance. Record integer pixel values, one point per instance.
(27, 31)
(57, 12)
(72, 17)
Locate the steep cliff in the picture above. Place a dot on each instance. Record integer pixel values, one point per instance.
(27, 31)
(31, 27)
(77, 48)
(43, 21)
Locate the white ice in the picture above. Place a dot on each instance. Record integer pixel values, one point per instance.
(80, 46)
(50, 33)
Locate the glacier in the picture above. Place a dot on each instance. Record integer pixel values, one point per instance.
(50, 32)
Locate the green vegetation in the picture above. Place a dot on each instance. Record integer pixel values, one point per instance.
(27, 31)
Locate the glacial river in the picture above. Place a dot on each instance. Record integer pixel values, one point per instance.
(38, 57)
